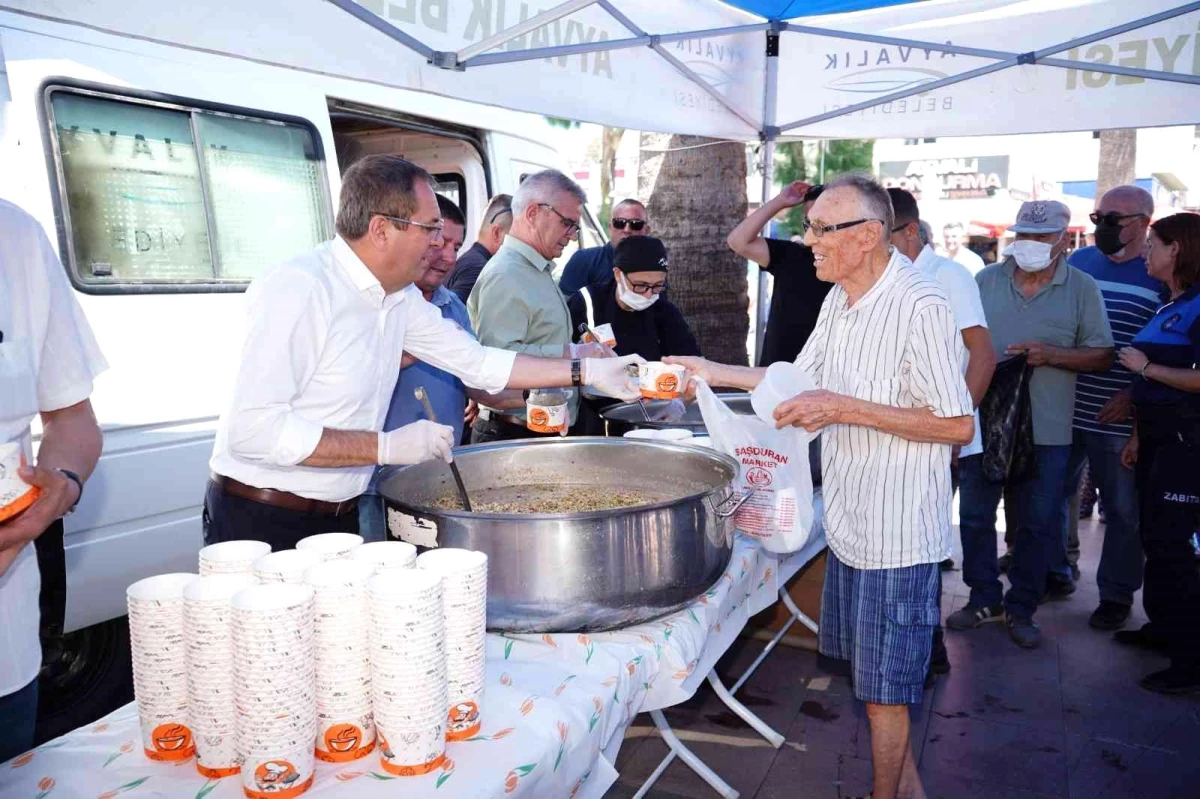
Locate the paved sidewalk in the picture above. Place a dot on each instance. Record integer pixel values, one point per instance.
(1065, 720)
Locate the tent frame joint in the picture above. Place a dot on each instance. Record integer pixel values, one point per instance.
(771, 132)
(1027, 58)
(447, 59)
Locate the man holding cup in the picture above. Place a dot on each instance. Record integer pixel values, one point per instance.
(891, 403)
(326, 333)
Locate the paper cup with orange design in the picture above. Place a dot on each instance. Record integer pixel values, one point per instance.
(657, 380)
(216, 755)
(411, 751)
(605, 331)
(167, 740)
(281, 775)
(343, 741)
(15, 494)
(546, 411)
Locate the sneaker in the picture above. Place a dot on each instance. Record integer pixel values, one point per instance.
(1058, 587)
(1173, 681)
(947, 565)
(939, 658)
(1003, 562)
(972, 616)
(1141, 638)
(1109, 616)
(1024, 632)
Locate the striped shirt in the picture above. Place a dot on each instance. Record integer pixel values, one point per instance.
(1131, 297)
(887, 499)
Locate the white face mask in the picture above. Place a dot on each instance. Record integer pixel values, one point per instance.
(1030, 255)
(631, 299)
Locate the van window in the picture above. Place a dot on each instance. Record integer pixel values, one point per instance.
(181, 198)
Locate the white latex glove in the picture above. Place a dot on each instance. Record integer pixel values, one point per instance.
(610, 377)
(592, 350)
(416, 443)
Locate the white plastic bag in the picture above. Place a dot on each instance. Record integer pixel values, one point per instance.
(774, 463)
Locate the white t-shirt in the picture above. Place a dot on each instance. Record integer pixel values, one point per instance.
(967, 306)
(48, 358)
(970, 259)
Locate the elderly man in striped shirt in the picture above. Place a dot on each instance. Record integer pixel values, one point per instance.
(892, 403)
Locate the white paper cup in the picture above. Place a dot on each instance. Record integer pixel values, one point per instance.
(15, 494)
(231, 556)
(657, 380)
(339, 576)
(278, 775)
(216, 753)
(386, 554)
(286, 566)
(330, 546)
(408, 752)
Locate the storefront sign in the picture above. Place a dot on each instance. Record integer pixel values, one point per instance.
(947, 178)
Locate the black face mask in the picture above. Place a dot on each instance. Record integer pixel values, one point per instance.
(1108, 239)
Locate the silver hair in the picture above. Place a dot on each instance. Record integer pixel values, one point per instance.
(873, 199)
(1145, 200)
(543, 187)
(926, 232)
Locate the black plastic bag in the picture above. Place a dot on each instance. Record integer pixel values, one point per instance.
(1007, 420)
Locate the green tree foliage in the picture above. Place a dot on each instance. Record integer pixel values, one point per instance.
(795, 162)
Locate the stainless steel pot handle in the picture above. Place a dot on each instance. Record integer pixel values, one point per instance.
(723, 510)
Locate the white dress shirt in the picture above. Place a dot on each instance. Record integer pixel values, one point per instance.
(887, 499)
(48, 359)
(970, 259)
(963, 293)
(322, 350)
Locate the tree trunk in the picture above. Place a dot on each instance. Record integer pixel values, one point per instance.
(694, 197)
(1118, 159)
(610, 140)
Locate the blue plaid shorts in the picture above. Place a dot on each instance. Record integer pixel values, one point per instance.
(881, 620)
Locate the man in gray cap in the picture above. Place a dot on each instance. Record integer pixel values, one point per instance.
(1038, 306)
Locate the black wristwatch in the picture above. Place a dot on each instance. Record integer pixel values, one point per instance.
(576, 372)
(70, 475)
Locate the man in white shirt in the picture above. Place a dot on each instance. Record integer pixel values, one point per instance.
(892, 403)
(326, 334)
(954, 237)
(48, 359)
(963, 292)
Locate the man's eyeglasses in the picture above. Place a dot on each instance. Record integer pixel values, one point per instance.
(435, 231)
(571, 225)
(1111, 218)
(499, 214)
(819, 230)
(646, 289)
(635, 225)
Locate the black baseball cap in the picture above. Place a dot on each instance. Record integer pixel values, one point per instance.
(641, 254)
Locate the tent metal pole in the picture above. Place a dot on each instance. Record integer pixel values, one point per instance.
(1112, 69)
(521, 28)
(900, 95)
(682, 68)
(1170, 13)
(938, 47)
(383, 26)
(607, 44)
(770, 92)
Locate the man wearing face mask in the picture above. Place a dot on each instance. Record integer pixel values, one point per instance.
(1103, 406)
(593, 265)
(1039, 306)
(644, 322)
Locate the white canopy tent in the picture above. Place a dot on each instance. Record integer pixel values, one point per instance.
(895, 69)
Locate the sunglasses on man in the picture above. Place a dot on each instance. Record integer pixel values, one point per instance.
(619, 223)
(1111, 218)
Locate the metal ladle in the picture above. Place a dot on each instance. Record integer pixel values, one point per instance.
(585, 328)
(423, 398)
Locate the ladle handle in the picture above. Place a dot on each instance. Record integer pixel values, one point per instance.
(423, 398)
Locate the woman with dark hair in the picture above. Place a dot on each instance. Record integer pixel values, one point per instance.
(1165, 451)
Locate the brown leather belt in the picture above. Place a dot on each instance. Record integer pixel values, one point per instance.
(489, 414)
(283, 499)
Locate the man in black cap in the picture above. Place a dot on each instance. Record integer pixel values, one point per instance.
(642, 320)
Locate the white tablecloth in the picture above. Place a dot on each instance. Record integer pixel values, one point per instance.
(555, 710)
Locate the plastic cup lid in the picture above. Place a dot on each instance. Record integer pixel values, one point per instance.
(164, 587)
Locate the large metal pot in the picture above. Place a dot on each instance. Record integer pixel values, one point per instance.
(674, 414)
(560, 572)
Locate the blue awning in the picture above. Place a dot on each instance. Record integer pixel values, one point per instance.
(788, 9)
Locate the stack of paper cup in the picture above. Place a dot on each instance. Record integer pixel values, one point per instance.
(330, 546)
(159, 665)
(231, 557)
(386, 554)
(208, 647)
(285, 566)
(408, 670)
(464, 586)
(345, 727)
(274, 688)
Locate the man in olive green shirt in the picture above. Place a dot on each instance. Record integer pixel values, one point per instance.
(516, 304)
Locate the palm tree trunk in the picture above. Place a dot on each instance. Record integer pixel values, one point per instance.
(694, 196)
(610, 140)
(1118, 159)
